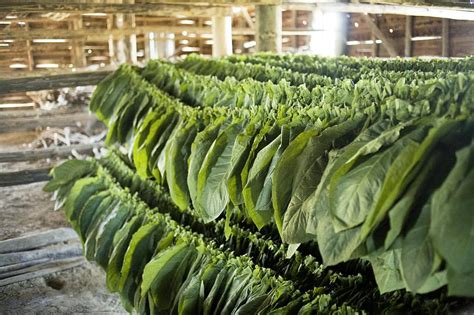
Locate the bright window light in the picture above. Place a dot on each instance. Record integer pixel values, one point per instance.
(51, 40)
(190, 49)
(94, 14)
(186, 22)
(47, 65)
(18, 66)
(16, 105)
(250, 44)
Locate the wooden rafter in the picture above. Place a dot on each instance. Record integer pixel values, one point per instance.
(100, 34)
(387, 42)
(428, 11)
(112, 8)
(45, 80)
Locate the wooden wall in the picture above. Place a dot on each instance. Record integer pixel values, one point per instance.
(428, 30)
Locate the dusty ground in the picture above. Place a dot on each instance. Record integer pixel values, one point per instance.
(25, 209)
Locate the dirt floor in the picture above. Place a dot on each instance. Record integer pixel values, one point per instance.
(27, 209)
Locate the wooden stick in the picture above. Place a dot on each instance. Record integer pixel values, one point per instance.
(60, 121)
(37, 240)
(52, 152)
(49, 268)
(40, 81)
(51, 252)
(24, 177)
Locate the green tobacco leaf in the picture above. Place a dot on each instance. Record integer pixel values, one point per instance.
(353, 196)
(404, 168)
(90, 207)
(240, 153)
(138, 254)
(105, 235)
(199, 149)
(120, 245)
(415, 191)
(460, 284)
(308, 169)
(418, 254)
(139, 144)
(262, 214)
(318, 201)
(387, 270)
(452, 217)
(68, 172)
(176, 162)
(163, 275)
(211, 190)
(286, 171)
(156, 163)
(82, 190)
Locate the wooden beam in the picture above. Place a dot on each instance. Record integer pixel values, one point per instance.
(37, 240)
(40, 80)
(388, 43)
(111, 8)
(77, 51)
(445, 38)
(412, 10)
(103, 34)
(24, 177)
(45, 269)
(29, 53)
(408, 35)
(33, 123)
(47, 153)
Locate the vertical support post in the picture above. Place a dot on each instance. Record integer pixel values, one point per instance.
(375, 46)
(110, 25)
(408, 35)
(294, 22)
(221, 36)
(125, 47)
(78, 57)
(445, 38)
(268, 28)
(28, 51)
(164, 45)
(146, 43)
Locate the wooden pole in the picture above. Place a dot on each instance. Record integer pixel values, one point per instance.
(221, 36)
(375, 46)
(78, 57)
(50, 80)
(408, 35)
(28, 50)
(445, 38)
(269, 28)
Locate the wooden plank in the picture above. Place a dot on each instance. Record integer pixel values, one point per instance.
(412, 10)
(76, 7)
(24, 177)
(103, 34)
(38, 113)
(445, 38)
(47, 153)
(46, 269)
(408, 35)
(50, 252)
(53, 80)
(33, 123)
(386, 41)
(36, 240)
